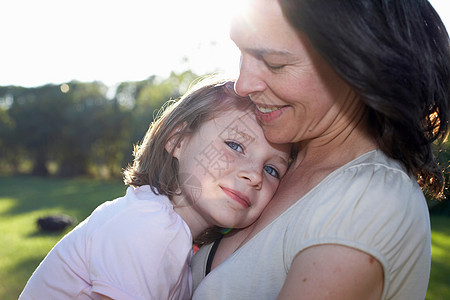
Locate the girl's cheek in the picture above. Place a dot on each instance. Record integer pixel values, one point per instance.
(271, 188)
(214, 160)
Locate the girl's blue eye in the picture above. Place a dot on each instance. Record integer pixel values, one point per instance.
(235, 146)
(272, 171)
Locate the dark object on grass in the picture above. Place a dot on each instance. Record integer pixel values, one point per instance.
(55, 223)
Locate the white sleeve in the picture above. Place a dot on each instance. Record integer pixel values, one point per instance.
(372, 208)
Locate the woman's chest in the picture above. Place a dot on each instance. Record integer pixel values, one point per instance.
(291, 192)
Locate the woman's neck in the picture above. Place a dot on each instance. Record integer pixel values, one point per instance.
(347, 139)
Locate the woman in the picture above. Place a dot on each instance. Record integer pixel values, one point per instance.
(363, 88)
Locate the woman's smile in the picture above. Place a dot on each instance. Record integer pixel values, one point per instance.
(267, 109)
(269, 113)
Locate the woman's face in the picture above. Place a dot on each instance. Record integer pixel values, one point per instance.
(297, 94)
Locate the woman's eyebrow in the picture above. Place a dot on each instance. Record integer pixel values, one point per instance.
(269, 51)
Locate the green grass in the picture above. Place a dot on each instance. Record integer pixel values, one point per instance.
(24, 199)
(439, 286)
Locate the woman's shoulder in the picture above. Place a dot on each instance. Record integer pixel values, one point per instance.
(371, 182)
(371, 204)
(374, 159)
(373, 174)
(369, 199)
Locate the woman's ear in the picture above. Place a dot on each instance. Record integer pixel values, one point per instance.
(175, 143)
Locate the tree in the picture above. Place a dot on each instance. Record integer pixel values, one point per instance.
(144, 99)
(84, 124)
(76, 126)
(442, 206)
(9, 151)
(34, 113)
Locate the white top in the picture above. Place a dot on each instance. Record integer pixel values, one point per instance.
(370, 204)
(135, 247)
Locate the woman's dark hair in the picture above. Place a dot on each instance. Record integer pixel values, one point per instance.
(396, 55)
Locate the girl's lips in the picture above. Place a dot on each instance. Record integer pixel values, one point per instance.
(237, 196)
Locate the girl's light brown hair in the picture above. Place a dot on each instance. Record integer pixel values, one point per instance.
(153, 165)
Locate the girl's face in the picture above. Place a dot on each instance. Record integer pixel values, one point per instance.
(297, 94)
(228, 170)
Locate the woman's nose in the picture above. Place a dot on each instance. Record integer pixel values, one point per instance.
(252, 176)
(250, 79)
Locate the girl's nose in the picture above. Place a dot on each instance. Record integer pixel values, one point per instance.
(252, 176)
(250, 79)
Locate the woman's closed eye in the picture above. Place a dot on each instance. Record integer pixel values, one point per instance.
(273, 67)
(272, 171)
(235, 146)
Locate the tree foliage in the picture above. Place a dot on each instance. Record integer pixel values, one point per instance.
(76, 127)
(442, 206)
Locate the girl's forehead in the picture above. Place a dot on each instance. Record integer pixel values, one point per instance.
(236, 123)
(236, 117)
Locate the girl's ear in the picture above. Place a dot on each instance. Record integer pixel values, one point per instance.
(174, 142)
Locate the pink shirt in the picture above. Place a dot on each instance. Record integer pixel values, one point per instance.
(135, 247)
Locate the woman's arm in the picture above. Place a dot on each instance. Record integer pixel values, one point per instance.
(333, 272)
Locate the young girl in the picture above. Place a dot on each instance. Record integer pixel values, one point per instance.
(205, 162)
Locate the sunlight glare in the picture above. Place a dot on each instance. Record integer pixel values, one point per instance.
(116, 41)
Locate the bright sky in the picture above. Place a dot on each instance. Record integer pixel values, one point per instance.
(55, 41)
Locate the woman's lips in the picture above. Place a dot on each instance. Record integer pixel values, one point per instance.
(237, 196)
(267, 109)
(269, 113)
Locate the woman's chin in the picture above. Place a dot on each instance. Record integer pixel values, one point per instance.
(274, 136)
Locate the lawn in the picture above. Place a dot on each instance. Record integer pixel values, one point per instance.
(24, 199)
(439, 286)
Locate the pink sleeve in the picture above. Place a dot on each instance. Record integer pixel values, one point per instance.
(141, 253)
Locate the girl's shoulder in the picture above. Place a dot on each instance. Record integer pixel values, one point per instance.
(139, 211)
(135, 198)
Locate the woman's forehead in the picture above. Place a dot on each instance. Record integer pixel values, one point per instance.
(263, 28)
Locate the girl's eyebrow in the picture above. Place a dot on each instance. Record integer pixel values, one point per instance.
(282, 160)
(234, 131)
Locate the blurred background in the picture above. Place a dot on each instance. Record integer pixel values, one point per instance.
(80, 81)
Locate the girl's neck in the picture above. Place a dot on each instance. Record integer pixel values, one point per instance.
(193, 219)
